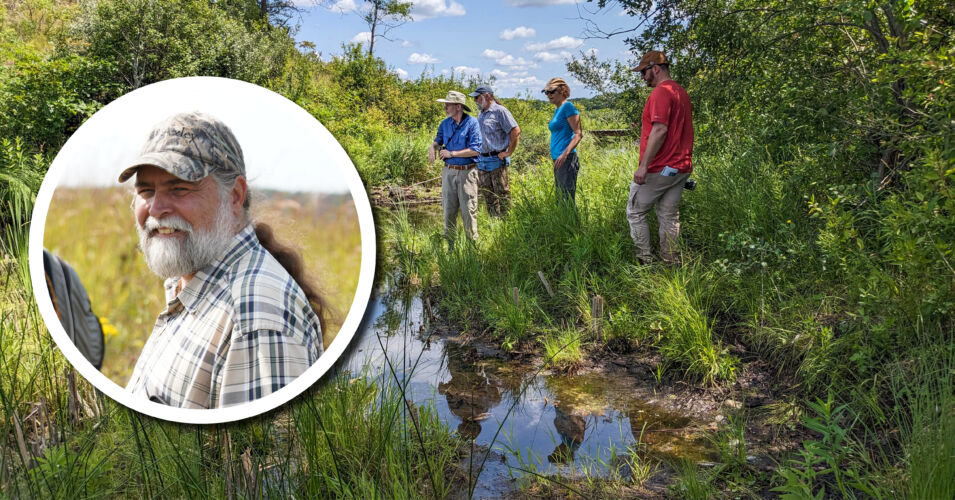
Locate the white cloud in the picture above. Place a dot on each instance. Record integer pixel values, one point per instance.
(420, 9)
(504, 59)
(552, 57)
(406, 44)
(514, 79)
(416, 58)
(424, 9)
(343, 6)
(564, 42)
(466, 71)
(363, 37)
(401, 73)
(591, 52)
(518, 32)
(539, 3)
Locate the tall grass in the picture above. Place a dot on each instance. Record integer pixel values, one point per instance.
(345, 437)
(676, 304)
(402, 159)
(925, 395)
(581, 252)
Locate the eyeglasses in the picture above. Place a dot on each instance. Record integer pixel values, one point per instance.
(549, 92)
(643, 72)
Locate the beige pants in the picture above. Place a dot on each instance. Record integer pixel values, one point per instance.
(665, 193)
(459, 193)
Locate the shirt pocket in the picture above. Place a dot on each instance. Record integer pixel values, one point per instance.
(491, 124)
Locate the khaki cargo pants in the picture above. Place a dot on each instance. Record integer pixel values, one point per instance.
(664, 193)
(459, 193)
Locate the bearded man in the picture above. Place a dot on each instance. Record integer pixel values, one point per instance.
(499, 134)
(237, 324)
(666, 160)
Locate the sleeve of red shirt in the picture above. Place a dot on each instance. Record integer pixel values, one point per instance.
(659, 104)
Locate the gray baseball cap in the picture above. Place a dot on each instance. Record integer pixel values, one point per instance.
(189, 146)
(482, 89)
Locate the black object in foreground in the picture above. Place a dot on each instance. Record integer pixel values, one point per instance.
(72, 306)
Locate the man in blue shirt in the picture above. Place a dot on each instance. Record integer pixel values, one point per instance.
(457, 143)
(500, 133)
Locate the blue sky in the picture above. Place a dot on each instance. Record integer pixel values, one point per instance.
(522, 43)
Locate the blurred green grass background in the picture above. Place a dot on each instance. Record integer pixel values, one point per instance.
(93, 229)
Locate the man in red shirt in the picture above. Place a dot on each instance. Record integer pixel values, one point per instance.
(666, 150)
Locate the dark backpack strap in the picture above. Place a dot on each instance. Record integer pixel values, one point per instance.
(74, 309)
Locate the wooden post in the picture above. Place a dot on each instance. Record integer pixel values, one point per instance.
(73, 397)
(597, 312)
(516, 301)
(21, 443)
(550, 291)
(427, 304)
(227, 463)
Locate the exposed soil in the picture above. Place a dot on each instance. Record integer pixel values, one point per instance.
(426, 192)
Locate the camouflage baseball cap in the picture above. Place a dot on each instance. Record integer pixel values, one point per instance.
(189, 146)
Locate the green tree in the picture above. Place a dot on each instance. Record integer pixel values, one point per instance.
(148, 41)
(868, 76)
(382, 16)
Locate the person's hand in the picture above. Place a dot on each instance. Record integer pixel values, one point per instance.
(503, 154)
(559, 162)
(445, 154)
(640, 176)
(431, 155)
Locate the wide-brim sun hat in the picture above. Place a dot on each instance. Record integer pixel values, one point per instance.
(455, 97)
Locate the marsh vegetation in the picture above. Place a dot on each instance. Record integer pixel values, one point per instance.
(818, 262)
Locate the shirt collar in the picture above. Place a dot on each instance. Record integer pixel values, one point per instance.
(494, 105)
(208, 278)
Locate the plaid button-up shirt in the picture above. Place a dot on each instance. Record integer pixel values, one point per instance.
(240, 329)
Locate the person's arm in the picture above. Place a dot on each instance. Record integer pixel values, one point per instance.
(473, 142)
(438, 141)
(657, 135)
(461, 153)
(574, 122)
(259, 363)
(515, 136)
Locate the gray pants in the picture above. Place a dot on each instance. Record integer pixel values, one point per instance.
(459, 192)
(665, 193)
(565, 177)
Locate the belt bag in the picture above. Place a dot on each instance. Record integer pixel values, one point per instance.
(490, 162)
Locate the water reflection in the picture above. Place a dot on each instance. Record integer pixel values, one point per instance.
(571, 429)
(471, 392)
(555, 423)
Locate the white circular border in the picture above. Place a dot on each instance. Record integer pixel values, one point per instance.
(216, 415)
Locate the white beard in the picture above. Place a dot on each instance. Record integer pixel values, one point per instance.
(174, 257)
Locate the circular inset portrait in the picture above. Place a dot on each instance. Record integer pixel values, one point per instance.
(206, 247)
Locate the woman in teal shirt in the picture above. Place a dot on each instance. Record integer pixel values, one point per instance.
(565, 133)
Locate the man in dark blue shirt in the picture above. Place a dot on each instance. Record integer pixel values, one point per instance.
(457, 144)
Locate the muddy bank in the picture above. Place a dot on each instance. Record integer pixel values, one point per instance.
(427, 192)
